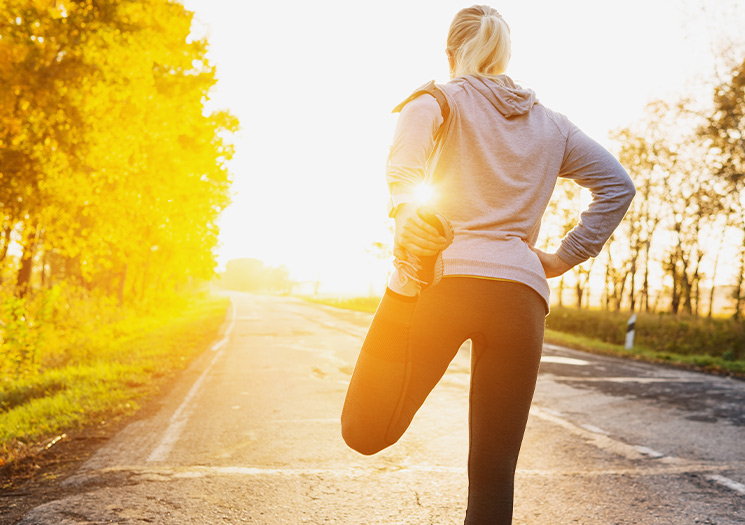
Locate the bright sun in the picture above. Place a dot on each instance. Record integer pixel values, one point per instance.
(424, 194)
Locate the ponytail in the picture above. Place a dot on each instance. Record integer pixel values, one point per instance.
(479, 41)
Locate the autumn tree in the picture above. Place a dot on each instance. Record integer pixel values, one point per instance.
(675, 191)
(110, 165)
(644, 152)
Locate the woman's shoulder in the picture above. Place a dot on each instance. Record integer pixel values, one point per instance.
(563, 124)
(419, 101)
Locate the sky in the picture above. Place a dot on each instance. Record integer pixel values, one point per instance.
(313, 84)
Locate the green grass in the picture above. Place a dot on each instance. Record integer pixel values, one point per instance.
(115, 374)
(663, 332)
(611, 326)
(701, 362)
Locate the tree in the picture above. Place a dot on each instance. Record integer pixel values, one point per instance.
(676, 190)
(112, 170)
(724, 132)
(644, 153)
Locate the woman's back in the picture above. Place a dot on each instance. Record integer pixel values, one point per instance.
(499, 161)
(500, 155)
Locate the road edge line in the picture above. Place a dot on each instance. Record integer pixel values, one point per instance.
(180, 417)
(726, 482)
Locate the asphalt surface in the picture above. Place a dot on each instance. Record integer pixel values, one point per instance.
(251, 434)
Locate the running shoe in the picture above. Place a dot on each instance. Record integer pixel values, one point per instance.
(414, 274)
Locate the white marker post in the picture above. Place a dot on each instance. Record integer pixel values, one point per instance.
(630, 330)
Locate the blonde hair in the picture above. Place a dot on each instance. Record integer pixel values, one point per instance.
(479, 41)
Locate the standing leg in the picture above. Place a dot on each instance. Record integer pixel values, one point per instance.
(504, 368)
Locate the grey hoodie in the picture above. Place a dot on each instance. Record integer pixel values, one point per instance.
(494, 171)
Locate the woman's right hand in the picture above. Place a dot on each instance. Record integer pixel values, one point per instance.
(553, 265)
(414, 235)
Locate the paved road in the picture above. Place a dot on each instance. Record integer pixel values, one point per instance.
(251, 435)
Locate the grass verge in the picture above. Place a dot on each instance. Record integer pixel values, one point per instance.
(701, 362)
(110, 381)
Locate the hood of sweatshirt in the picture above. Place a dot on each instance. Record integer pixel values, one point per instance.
(510, 99)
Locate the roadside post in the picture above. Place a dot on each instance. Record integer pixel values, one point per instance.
(630, 330)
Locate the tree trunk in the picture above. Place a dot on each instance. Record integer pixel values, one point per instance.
(632, 291)
(619, 291)
(23, 281)
(738, 287)
(6, 242)
(44, 275)
(714, 275)
(4, 250)
(122, 282)
(44, 259)
(608, 270)
(696, 281)
(675, 291)
(686, 286)
(645, 284)
(582, 286)
(686, 294)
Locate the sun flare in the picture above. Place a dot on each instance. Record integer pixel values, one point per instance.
(424, 194)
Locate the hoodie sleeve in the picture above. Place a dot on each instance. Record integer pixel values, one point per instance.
(413, 143)
(593, 167)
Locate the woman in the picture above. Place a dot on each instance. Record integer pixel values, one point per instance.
(491, 153)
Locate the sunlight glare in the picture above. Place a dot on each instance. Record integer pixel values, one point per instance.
(424, 194)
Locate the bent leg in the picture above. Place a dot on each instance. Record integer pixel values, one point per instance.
(379, 378)
(406, 352)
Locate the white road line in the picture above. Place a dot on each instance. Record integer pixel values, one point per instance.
(729, 483)
(218, 345)
(563, 360)
(557, 347)
(630, 379)
(650, 453)
(181, 416)
(593, 428)
(599, 440)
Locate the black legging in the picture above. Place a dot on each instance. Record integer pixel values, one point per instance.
(407, 350)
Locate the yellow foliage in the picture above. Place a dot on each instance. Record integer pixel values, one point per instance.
(113, 174)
